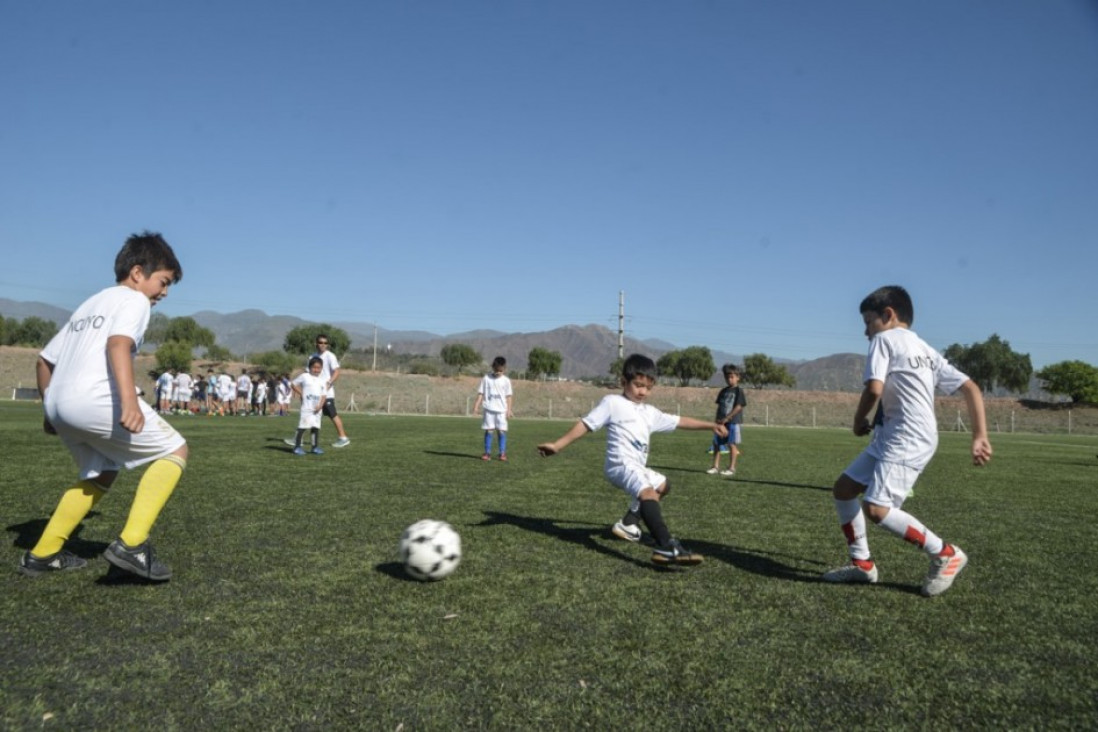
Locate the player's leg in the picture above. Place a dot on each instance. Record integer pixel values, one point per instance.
(76, 502)
(845, 493)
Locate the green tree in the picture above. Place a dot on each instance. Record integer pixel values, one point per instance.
(187, 330)
(459, 355)
(760, 371)
(694, 363)
(158, 327)
(616, 368)
(542, 361)
(274, 362)
(992, 364)
(218, 354)
(33, 331)
(173, 355)
(1075, 379)
(302, 339)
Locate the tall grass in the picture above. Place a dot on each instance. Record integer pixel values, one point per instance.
(287, 609)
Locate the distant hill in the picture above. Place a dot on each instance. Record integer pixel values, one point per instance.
(586, 350)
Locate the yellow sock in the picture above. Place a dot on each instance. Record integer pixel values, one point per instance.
(71, 510)
(153, 491)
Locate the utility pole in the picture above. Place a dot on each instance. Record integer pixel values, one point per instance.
(621, 324)
(375, 348)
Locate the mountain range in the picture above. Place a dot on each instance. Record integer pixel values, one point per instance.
(586, 350)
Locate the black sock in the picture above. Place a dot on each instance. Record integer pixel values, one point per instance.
(631, 518)
(653, 518)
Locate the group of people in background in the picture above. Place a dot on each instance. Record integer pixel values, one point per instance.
(222, 394)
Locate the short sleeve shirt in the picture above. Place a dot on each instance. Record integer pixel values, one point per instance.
(330, 364)
(495, 389)
(911, 370)
(629, 427)
(727, 399)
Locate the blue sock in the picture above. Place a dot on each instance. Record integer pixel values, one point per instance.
(487, 443)
(502, 443)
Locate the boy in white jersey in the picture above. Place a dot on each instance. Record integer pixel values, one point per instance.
(311, 387)
(86, 378)
(629, 424)
(330, 373)
(901, 374)
(496, 396)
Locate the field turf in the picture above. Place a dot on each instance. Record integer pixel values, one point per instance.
(288, 610)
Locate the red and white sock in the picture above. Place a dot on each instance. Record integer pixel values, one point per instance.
(910, 529)
(852, 521)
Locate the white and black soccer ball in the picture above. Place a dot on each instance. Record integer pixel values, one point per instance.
(430, 550)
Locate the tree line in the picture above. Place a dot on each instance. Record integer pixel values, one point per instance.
(993, 364)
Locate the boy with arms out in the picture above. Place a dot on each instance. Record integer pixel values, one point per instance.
(86, 378)
(730, 404)
(901, 373)
(496, 395)
(312, 388)
(629, 424)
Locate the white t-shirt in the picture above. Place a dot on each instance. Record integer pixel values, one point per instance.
(165, 382)
(226, 387)
(79, 350)
(312, 396)
(910, 370)
(629, 427)
(495, 389)
(183, 383)
(330, 366)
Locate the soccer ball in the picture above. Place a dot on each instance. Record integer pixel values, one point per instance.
(430, 550)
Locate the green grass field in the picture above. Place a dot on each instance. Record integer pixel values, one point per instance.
(288, 610)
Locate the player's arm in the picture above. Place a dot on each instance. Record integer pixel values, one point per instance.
(510, 402)
(871, 394)
(974, 399)
(477, 403)
(579, 429)
(334, 377)
(43, 372)
(689, 423)
(120, 358)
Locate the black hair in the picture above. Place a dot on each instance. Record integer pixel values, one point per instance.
(498, 363)
(890, 296)
(150, 252)
(638, 365)
(729, 368)
(315, 359)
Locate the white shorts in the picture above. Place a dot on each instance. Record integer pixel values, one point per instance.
(887, 484)
(633, 480)
(309, 420)
(184, 395)
(100, 445)
(494, 421)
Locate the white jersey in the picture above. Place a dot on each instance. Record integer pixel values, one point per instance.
(79, 350)
(183, 383)
(164, 384)
(312, 396)
(495, 388)
(910, 370)
(226, 387)
(629, 426)
(330, 364)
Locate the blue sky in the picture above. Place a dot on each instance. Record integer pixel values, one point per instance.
(745, 172)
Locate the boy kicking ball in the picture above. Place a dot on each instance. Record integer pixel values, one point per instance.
(901, 374)
(86, 379)
(629, 423)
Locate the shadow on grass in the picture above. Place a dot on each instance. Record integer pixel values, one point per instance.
(584, 535)
(28, 533)
(670, 469)
(453, 454)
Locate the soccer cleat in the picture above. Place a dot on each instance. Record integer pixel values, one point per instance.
(712, 471)
(299, 451)
(729, 473)
(852, 574)
(31, 566)
(943, 570)
(485, 457)
(316, 451)
(675, 553)
(139, 560)
(503, 457)
(629, 533)
(342, 442)
(291, 443)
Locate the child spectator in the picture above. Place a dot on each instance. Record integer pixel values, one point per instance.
(730, 403)
(311, 388)
(629, 424)
(496, 395)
